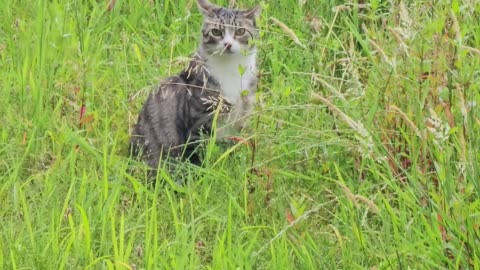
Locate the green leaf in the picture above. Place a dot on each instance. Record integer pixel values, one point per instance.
(455, 7)
(241, 70)
(138, 54)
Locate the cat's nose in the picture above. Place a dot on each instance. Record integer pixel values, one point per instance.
(227, 45)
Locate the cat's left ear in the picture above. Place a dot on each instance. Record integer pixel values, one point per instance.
(252, 13)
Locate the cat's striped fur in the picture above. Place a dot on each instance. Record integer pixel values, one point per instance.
(222, 72)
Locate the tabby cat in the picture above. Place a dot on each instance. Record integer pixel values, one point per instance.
(221, 76)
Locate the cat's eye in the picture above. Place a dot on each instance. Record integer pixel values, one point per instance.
(217, 33)
(240, 32)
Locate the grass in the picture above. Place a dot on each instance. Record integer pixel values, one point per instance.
(366, 130)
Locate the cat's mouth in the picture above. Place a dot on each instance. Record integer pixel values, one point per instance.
(226, 50)
(223, 52)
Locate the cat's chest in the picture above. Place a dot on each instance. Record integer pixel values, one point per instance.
(234, 76)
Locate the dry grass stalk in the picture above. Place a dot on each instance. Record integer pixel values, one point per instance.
(316, 98)
(403, 47)
(370, 204)
(315, 24)
(456, 28)
(111, 4)
(408, 121)
(350, 6)
(284, 230)
(356, 198)
(437, 128)
(472, 50)
(329, 87)
(338, 235)
(379, 49)
(363, 137)
(348, 193)
(404, 15)
(463, 104)
(288, 31)
(461, 135)
(340, 8)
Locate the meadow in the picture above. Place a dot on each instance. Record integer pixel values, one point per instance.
(362, 153)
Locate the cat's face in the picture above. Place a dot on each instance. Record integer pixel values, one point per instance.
(227, 31)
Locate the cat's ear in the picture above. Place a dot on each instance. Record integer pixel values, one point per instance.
(206, 7)
(252, 13)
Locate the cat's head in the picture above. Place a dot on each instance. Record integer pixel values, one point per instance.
(227, 31)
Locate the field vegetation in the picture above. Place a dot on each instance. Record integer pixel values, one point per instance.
(362, 153)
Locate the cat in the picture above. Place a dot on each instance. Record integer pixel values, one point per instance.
(221, 77)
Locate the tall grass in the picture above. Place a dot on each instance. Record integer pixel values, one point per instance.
(364, 148)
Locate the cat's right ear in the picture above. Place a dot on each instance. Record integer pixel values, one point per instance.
(253, 13)
(206, 8)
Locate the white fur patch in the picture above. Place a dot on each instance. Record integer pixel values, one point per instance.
(227, 72)
(235, 73)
